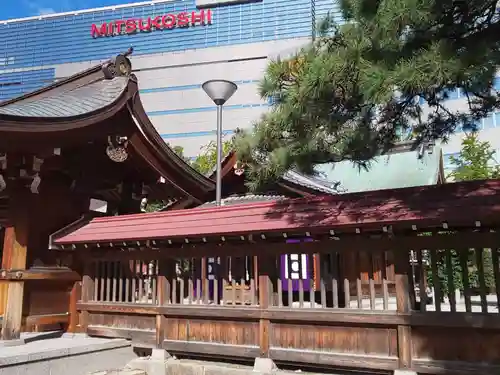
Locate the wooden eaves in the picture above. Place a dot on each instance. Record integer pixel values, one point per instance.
(387, 215)
(99, 102)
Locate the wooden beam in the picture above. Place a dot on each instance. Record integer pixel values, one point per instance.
(138, 336)
(307, 316)
(322, 245)
(358, 361)
(33, 322)
(35, 274)
(339, 360)
(211, 349)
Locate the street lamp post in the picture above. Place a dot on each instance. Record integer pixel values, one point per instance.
(219, 90)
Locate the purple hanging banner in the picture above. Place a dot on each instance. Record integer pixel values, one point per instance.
(295, 267)
(212, 270)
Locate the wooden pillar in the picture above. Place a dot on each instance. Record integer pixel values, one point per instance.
(403, 303)
(204, 279)
(88, 283)
(32, 218)
(255, 262)
(4, 286)
(14, 258)
(267, 277)
(76, 293)
(166, 273)
(316, 270)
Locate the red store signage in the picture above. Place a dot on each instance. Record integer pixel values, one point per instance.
(167, 21)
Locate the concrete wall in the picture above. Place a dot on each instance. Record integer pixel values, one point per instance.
(170, 85)
(171, 91)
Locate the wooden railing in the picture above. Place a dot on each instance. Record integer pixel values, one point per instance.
(412, 310)
(50, 294)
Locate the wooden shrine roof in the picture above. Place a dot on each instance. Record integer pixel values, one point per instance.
(71, 102)
(458, 204)
(91, 107)
(310, 184)
(401, 167)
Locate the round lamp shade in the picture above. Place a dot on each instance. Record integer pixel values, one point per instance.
(219, 90)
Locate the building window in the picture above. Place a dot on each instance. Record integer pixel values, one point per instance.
(488, 122)
(496, 84)
(4, 61)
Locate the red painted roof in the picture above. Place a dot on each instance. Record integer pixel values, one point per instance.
(459, 203)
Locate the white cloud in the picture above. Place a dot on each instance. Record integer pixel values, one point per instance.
(43, 11)
(42, 7)
(38, 9)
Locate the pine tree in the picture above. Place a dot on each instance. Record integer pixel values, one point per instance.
(355, 90)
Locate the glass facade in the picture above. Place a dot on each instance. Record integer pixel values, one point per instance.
(35, 51)
(51, 40)
(67, 38)
(17, 83)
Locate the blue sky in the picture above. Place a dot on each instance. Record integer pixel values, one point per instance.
(27, 8)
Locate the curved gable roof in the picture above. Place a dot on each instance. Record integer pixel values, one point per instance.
(88, 99)
(73, 102)
(400, 168)
(390, 171)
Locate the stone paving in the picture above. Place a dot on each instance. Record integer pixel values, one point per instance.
(68, 354)
(119, 372)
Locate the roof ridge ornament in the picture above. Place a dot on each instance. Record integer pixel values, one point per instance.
(118, 66)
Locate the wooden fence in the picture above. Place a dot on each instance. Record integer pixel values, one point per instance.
(433, 311)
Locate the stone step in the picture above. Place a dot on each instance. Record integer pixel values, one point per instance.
(119, 372)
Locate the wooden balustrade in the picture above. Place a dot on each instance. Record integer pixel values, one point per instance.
(405, 310)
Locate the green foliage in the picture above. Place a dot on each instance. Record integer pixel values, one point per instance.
(204, 163)
(353, 92)
(154, 206)
(207, 160)
(472, 271)
(442, 271)
(476, 161)
(489, 276)
(179, 150)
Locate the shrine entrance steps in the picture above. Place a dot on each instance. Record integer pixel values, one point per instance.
(75, 354)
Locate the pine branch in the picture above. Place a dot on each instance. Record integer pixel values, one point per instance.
(354, 92)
